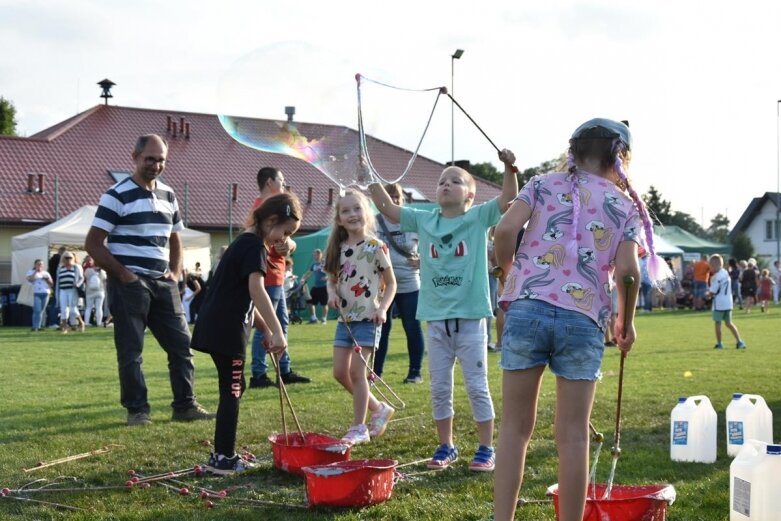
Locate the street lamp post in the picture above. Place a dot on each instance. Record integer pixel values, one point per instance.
(455, 56)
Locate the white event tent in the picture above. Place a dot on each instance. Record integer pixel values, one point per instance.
(71, 230)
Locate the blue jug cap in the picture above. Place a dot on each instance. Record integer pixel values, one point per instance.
(736, 396)
(682, 399)
(774, 449)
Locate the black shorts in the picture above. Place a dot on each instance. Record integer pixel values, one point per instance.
(318, 296)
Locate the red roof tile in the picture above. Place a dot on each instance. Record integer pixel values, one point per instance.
(80, 151)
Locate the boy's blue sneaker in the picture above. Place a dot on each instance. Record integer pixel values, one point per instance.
(740, 345)
(484, 460)
(718, 345)
(443, 457)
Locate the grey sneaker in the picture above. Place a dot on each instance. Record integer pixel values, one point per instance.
(138, 418)
(195, 412)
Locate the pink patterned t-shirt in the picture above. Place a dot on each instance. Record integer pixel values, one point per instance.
(546, 266)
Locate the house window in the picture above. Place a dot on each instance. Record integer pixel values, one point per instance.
(771, 230)
(118, 175)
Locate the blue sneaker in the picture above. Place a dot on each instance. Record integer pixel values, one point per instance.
(718, 345)
(443, 457)
(741, 345)
(484, 460)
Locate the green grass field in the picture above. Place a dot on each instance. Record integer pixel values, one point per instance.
(60, 397)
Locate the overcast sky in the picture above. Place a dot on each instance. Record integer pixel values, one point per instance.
(698, 81)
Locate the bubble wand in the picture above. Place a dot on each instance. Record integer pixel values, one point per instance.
(373, 377)
(629, 281)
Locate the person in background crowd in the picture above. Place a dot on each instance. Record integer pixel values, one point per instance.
(748, 284)
(701, 276)
(69, 277)
(95, 284)
(53, 310)
(42, 284)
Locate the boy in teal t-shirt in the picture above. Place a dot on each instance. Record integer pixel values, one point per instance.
(454, 297)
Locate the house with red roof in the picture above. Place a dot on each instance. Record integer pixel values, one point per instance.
(50, 174)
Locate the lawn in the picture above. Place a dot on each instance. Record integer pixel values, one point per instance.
(60, 397)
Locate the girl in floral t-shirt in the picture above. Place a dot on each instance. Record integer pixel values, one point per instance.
(581, 227)
(361, 285)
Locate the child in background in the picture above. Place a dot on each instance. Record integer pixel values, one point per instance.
(454, 290)
(765, 289)
(721, 291)
(581, 229)
(319, 292)
(236, 299)
(358, 266)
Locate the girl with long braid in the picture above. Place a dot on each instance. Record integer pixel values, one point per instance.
(593, 215)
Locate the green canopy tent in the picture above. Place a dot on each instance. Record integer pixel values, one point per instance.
(689, 242)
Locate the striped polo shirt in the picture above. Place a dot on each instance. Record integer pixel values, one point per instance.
(139, 223)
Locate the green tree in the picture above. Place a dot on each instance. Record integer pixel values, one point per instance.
(742, 248)
(658, 208)
(7, 118)
(719, 228)
(688, 223)
(486, 171)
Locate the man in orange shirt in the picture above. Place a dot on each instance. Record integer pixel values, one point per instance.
(272, 182)
(701, 277)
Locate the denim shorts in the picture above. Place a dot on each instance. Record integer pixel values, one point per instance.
(366, 334)
(537, 333)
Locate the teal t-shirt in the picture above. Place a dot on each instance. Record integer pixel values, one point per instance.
(453, 260)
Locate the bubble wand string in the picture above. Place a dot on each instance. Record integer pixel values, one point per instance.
(629, 281)
(283, 391)
(373, 377)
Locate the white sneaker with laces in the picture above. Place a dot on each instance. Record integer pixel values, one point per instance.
(357, 434)
(380, 419)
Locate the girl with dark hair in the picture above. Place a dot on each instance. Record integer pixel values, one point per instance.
(235, 301)
(582, 228)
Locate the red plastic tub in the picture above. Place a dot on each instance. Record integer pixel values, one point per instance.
(357, 483)
(626, 502)
(295, 452)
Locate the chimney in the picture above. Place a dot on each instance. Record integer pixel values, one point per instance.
(290, 111)
(173, 129)
(187, 130)
(40, 184)
(309, 195)
(330, 196)
(30, 183)
(168, 124)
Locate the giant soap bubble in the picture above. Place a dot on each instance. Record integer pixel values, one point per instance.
(330, 130)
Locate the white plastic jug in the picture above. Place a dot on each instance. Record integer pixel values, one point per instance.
(748, 417)
(754, 488)
(693, 430)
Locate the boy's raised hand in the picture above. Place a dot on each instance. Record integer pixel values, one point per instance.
(507, 157)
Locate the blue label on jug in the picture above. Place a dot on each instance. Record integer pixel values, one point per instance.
(735, 433)
(680, 433)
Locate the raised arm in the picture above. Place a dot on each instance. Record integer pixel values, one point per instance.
(506, 233)
(384, 203)
(510, 180)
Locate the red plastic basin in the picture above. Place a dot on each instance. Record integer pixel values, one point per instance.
(626, 502)
(293, 453)
(356, 483)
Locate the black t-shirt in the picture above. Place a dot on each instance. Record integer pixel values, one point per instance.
(225, 316)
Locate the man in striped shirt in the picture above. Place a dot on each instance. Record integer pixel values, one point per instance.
(135, 238)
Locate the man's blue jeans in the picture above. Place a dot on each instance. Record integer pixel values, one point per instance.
(259, 365)
(153, 303)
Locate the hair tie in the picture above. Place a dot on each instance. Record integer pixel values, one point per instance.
(287, 210)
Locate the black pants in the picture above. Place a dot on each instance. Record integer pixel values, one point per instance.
(230, 374)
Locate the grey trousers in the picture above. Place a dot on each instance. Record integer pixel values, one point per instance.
(154, 303)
